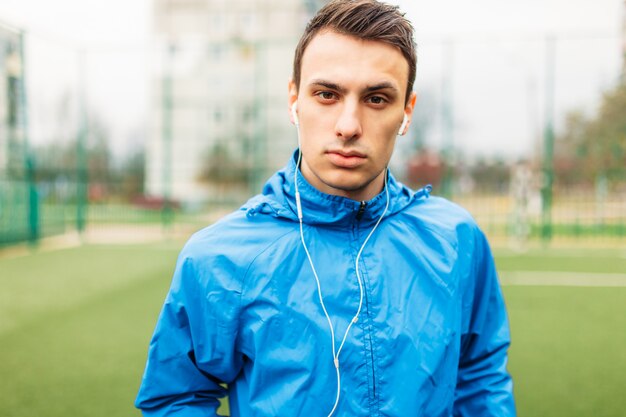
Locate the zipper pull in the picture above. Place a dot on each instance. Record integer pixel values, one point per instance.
(359, 213)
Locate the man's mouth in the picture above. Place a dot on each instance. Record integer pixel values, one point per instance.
(346, 159)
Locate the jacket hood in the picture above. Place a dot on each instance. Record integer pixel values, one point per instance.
(278, 199)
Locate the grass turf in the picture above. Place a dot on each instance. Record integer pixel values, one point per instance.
(75, 326)
(567, 355)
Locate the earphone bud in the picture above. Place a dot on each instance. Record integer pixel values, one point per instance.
(294, 113)
(405, 121)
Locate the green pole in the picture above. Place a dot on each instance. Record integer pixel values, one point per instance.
(167, 212)
(33, 202)
(33, 196)
(447, 119)
(258, 144)
(81, 151)
(548, 141)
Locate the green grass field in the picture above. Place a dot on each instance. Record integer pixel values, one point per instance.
(568, 353)
(75, 326)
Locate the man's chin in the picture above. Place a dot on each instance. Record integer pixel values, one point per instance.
(351, 188)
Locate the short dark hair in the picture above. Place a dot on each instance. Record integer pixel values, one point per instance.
(363, 19)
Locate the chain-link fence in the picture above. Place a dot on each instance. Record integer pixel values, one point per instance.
(183, 130)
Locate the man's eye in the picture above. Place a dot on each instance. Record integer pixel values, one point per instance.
(377, 100)
(326, 95)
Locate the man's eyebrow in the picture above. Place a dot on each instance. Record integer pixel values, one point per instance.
(329, 85)
(333, 86)
(381, 86)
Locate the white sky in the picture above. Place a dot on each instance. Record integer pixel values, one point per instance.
(115, 36)
(497, 69)
(498, 64)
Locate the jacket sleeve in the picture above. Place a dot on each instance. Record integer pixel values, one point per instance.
(192, 352)
(484, 387)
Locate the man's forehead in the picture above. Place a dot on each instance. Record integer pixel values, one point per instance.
(344, 59)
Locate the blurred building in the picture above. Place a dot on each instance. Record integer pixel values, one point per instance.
(624, 41)
(12, 114)
(219, 121)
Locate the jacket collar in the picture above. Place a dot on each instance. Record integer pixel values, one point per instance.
(278, 200)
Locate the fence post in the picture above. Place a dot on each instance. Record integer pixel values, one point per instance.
(33, 202)
(167, 213)
(28, 161)
(447, 103)
(548, 142)
(81, 150)
(260, 118)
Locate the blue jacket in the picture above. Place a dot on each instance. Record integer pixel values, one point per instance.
(243, 310)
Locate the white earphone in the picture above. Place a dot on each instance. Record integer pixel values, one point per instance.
(294, 113)
(335, 351)
(405, 121)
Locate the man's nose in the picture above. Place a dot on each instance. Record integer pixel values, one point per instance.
(349, 123)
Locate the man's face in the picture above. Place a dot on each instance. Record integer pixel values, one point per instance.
(351, 103)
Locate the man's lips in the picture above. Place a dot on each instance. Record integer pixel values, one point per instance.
(346, 159)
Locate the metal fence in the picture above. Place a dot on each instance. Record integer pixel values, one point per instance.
(31, 210)
(59, 176)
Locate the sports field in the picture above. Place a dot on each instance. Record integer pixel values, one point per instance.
(75, 325)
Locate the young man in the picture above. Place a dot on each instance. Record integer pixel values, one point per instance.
(337, 291)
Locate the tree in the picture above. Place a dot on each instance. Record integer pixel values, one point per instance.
(594, 148)
(221, 167)
(130, 175)
(606, 139)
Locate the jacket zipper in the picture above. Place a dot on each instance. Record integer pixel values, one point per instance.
(359, 214)
(370, 340)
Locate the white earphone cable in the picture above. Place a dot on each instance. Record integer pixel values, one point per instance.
(317, 280)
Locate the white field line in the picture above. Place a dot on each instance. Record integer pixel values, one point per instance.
(567, 279)
(568, 253)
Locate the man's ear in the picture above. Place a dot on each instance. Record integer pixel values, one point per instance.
(292, 98)
(408, 110)
(410, 104)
